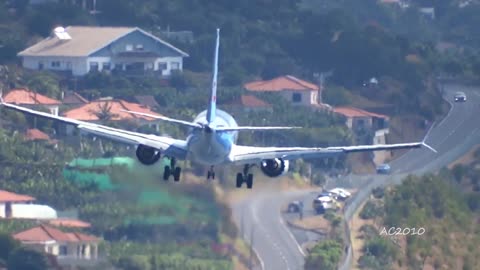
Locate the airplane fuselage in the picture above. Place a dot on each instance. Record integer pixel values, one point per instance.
(209, 147)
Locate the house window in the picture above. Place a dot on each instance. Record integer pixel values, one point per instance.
(69, 65)
(297, 97)
(139, 47)
(93, 66)
(175, 65)
(55, 64)
(129, 47)
(106, 66)
(118, 66)
(162, 66)
(63, 250)
(40, 65)
(148, 66)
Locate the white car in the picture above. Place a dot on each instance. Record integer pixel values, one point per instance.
(341, 193)
(460, 97)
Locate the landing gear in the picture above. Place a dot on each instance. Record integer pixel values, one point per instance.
(172, 170)
(245, 177)
(210, 173)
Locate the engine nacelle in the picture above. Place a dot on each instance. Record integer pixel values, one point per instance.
(274, 167)
(147, 155)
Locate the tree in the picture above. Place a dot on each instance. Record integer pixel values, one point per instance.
(24, 258)
(7, 244)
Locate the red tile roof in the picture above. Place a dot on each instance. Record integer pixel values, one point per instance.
(26, 96)
(250, 101)
(44, 233)
(355, 112)
(35, 134)
(281, 83)
(6, 196)
(65, 222)
(88, 112)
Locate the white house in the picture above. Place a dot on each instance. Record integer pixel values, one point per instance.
(81, 49)
(20, 207)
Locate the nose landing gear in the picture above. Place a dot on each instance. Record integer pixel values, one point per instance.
(210, 173)
(172, 170)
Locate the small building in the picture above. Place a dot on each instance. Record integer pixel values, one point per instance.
(109, 109)
(18, 206)
(364, 122)
(31, 99)
(298, 92)
(70, 248)
(81, 49)
(247, 103)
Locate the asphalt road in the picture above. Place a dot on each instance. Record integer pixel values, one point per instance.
(259, 216)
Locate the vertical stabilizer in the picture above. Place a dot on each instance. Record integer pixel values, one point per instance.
(213, 97)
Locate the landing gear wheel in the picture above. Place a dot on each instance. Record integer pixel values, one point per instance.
(176, 174)
(249, 180)
(239, 180)
(166, 173)
(210, 173)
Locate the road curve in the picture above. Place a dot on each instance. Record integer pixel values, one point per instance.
(259, 217)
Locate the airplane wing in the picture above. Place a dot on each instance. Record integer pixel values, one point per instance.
(169, 147)
(252, 154)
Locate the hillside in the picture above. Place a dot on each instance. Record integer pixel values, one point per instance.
(444, 205)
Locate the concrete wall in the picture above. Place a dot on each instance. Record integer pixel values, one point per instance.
(78, 65)
(307, 97)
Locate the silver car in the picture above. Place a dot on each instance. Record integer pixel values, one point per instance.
(460, 97)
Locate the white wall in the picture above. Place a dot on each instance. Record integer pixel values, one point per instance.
(78, 65)
(31, 211)
(169, 61)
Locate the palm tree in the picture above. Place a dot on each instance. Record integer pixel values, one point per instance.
(104, 113)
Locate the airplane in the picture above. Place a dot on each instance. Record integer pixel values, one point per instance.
(212, 141)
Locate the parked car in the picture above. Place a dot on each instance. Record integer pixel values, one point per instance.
(383, 169)
(323, 203)
(341, 193)
(460, 97)
(328, 194)
(295, 207)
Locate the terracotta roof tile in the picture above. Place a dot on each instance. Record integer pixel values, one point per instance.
(147, 101)
(250, 101)
(88, 112)
(355, 112)
(44, 233)
(35, 134)
(287, 82)
(26, 96)
(6, 196)
(69, 223)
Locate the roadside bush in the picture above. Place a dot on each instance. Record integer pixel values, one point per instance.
(371, 210)
(378, 192)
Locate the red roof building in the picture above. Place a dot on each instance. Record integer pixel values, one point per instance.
(71, 245)
(248, 103)
(27, 97)
(351, 112)
(73, 98)
(115, 107)
(35, 134)
(295, 90)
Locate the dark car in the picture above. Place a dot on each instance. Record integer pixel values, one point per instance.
(460, 97)
(295, 207)
(383, 169)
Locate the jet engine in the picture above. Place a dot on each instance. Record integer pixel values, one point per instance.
(147, 155)
(274, 167)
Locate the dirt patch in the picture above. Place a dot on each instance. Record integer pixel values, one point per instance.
(313, 223)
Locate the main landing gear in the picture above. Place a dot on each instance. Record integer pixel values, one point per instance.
(172, 170)
(210, 173)
(246, 177)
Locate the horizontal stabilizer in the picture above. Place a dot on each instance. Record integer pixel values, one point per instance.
(251, 128)
(176, 121)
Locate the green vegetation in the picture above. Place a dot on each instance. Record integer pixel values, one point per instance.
(446, 205)
(324, 255)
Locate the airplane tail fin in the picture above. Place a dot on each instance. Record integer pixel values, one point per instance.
(213, 97)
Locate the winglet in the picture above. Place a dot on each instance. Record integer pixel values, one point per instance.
(429, 147)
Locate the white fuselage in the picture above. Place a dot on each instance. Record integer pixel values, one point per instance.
(212, 147)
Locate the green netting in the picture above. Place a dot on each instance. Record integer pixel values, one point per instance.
(102, 180)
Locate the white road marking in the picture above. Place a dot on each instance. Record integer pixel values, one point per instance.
(292, 236)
